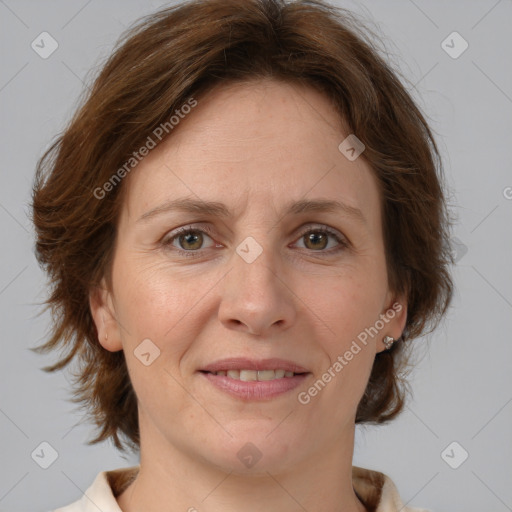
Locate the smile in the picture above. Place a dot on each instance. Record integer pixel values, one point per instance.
(251, 385)
(252, 375)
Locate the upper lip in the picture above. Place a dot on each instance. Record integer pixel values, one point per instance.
(242, 363)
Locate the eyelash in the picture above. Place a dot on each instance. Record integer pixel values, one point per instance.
(167, 241)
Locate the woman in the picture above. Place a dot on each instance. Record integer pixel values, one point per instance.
(245, 229)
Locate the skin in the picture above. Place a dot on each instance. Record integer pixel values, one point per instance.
(254, 147)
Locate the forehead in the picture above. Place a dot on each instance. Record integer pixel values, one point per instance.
(265, 142)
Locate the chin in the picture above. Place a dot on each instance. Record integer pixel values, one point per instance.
(254, 450)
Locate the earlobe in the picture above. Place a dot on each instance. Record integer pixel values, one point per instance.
(104, 318)
(396, 315)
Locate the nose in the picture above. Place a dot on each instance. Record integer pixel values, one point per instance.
(256, 297)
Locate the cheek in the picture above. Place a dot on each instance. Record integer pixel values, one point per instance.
(155, 313)
(161, 304)
(148, 294)
(349, 306)
(350, 303)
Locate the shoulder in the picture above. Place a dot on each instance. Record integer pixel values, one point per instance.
(378, 492)
(102, 493)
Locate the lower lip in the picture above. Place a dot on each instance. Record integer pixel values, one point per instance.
(255, 390)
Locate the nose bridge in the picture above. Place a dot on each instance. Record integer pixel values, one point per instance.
(256, 262)
(255, 295)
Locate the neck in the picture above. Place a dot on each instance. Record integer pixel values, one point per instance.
(172, 480)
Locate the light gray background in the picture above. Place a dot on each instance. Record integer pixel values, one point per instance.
(462, 385)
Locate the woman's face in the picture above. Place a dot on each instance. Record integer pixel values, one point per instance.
(254, 279)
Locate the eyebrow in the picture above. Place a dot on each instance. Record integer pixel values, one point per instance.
(217, 209)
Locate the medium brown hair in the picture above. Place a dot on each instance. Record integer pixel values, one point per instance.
(184, 51)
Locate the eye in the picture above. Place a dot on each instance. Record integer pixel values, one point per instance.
(317, 239)
(189, 240)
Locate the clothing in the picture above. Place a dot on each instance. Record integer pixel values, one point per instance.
(376, 491)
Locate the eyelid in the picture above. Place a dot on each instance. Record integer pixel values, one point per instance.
(169, 236)
(322, 228)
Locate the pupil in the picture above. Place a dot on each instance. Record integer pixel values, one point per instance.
(187, 238)
(313, 238)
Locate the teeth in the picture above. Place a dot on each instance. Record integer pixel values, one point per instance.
(265, 375)
(247, 375)
(252, 375)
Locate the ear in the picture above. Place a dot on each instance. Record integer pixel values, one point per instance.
(394, 316)
(103, 314)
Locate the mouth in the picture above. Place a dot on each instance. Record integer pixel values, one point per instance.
(255, 375)
(251, 380)
(246, 365)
